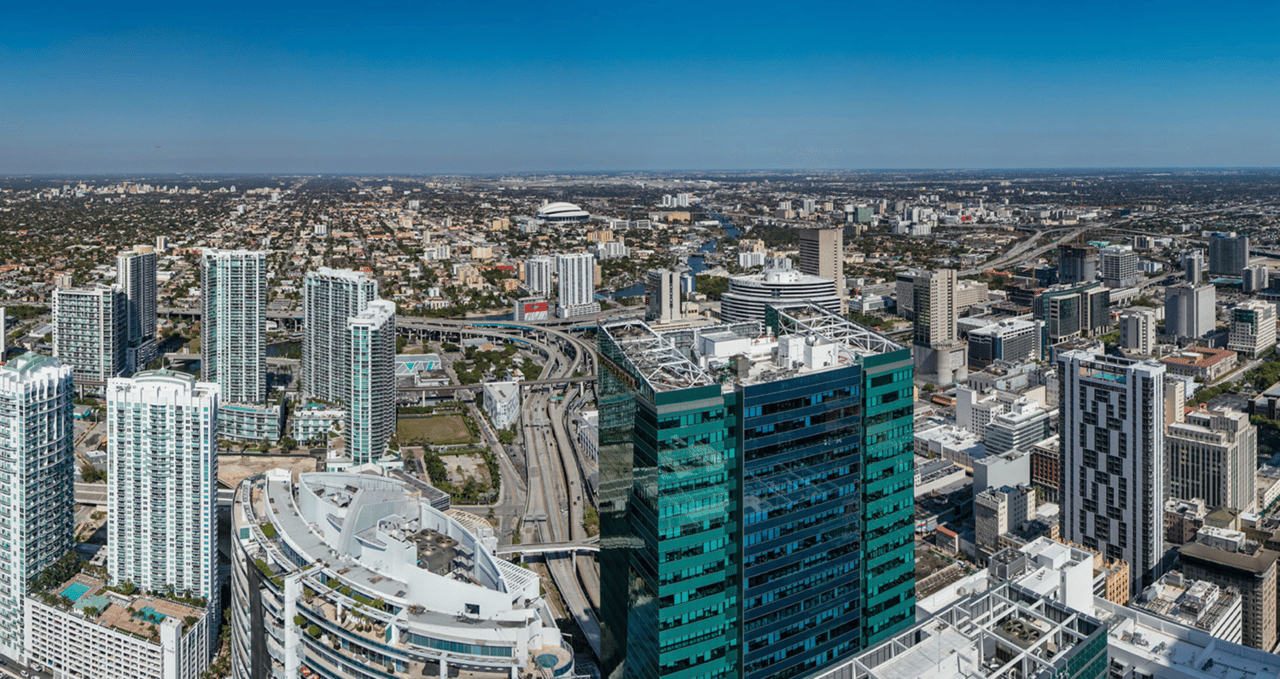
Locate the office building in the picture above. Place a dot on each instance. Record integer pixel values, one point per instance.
(136, 276)
(359, 575)
(1228, 559)
(822, 254)
(1205, 364)
(1212, 455)
(502, 403)
(1189, 310)
(37, 446)
(1253, 328)
(937, 351)
(371, 398)
(234, 323)
(1119, 266)
(577, 278)
(1197, 604)
(330, 298)
(538, 273)
(1112, 457)
(1077, 263)
(104, 634)
(1228, 254)
(1010, 341)
(662, 288)
(1021, 426)
(90, 330)
(775, 446)
(162, 452)
(747, 296)
(997, 511)
(1193, 266)
(1138, 330)
(1256, 278)
(1073, 311)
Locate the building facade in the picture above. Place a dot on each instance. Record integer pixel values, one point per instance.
(162, 432)
(748, 296)
(538, 272)
(1011, 341)
(1112, 457)
(822, 255)
(1228, 559)
(1212, 455)
(38, 486)
(1119, 266)
(136, 276)
(90, 332)
(1077, 263)
(502, 403)
(330, 298)
(371, 405)
(1138, 330)
(1228, 254)
(576, 274)
(1189, 310)
(1253, 328)
(662, 288)
(233, 332)
(1073, 311)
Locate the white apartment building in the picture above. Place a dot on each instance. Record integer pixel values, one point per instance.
(90, 331)
(1113, 461)
(107, 635)
(37, 493)
(234, 323)
(537, 275)
(577, 283)
(330, 297)
(502, 402)
(371, 406)
(1119, 265)
(1138, 330)
(1253, 328)
(162, 430)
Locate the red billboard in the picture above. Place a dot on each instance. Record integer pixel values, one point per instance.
(531, 307)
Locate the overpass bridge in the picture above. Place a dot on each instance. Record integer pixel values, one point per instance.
(589, 545)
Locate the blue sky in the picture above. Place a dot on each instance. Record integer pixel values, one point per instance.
(507, 87)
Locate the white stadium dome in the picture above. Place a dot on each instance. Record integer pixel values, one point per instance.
(562, 212)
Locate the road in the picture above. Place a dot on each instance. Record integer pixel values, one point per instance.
(91, 493)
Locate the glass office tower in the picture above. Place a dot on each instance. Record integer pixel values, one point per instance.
(755, 495)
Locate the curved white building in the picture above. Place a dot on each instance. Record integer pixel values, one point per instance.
(356, 575)
(562, 212)
(748, 296)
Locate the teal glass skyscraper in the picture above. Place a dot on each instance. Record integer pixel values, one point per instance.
(763, 482)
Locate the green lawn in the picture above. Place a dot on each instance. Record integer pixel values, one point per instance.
(439, 430)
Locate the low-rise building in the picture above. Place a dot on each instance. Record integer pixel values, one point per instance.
(313, 423)
(1253, 328)
(1197, 604)
(1205, 363)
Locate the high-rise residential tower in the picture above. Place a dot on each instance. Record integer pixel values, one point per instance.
(136, 276)
(38, 483)
(162, 491)
(939, 355)
(234, 323)
(1193, 266)
(1228, 253)
(537, 275)
(728, 511)
(371, 399)
(1138, 330)
(662, 287)
(330, 298)
(1113, 459)
(90, 328)
(1119, 266)
(577, 284)
(822, 254)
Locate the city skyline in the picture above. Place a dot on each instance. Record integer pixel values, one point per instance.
(580, 88)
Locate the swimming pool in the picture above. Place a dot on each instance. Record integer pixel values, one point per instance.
(75, 590)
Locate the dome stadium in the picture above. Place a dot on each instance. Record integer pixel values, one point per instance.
(562, 212)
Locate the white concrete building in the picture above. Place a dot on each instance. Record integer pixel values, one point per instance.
(779, 283)
(589, 434)
(1112, 448)
(330, 298)
(1138, 330)
(538, 273)
(90, 331)
(37, 486)
(576, 279)
(502, 403)
(162, 431)
(1119, 264)
(1189, 310)
(1212, 455)
(1253, 328)
(107, 635)
(360, 573)
(1197, 604)
(233, 331)
(371, 400)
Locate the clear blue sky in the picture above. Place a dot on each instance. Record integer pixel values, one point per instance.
(504, 87)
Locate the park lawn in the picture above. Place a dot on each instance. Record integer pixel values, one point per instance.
(441, 430)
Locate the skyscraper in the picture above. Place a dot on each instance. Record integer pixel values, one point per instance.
(822, 254)
(162, 491)
(537, 275)
(1193, 266)
(1113, 459)
(1071, 311)
(371, 403)
(1212, 455)
(1189, 310)
(1228, 253)
(37, 446)
(577, 284)
(90, 330)
(136, 276)
(938, 354)
(1077, 263)
(330, 298)
(234, 323)
(1119, 266)
(727, 512)
(662, 287)
(1138, 330)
